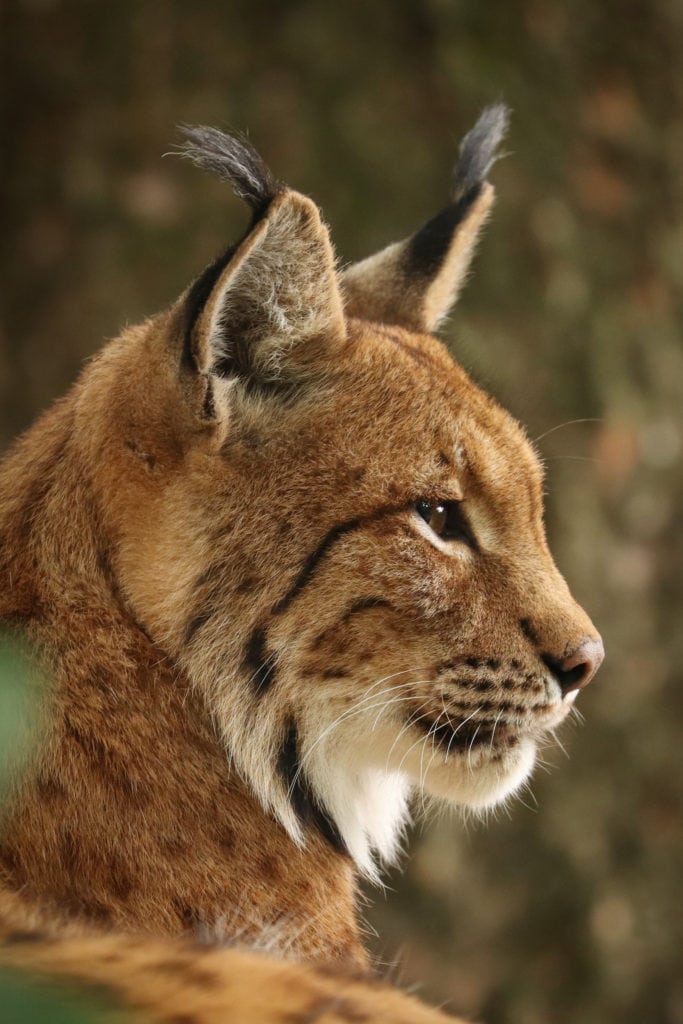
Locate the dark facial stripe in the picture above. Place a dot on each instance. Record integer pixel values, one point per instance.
(305, 806)
(25, 937)
(196, 623)
(256, 661)
(309, 567)
(211, 573)
(255, 658)
(307, 571)
(363, 604)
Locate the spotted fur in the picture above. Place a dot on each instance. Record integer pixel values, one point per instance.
(259, 648)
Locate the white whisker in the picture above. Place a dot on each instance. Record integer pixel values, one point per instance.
(567, 423)
(560, 743)
(574, 458)
(457, 729)
(360, 707)
(493, 732)
(409, 722)
(469, 749)
(423, 772)
(422, 739)
(268, 663)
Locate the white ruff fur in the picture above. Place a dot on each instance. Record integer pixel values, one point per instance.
(361, 767)
(366, 774)
(368, 806)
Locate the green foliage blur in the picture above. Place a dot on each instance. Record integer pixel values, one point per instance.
(13, 673)
(22, 1000)
(567, 906)
(25, 1002)
(21, 690)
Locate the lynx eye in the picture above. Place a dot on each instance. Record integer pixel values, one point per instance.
(447, 520)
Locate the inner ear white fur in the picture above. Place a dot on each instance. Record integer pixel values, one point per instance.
(387, 288)
(276, 308)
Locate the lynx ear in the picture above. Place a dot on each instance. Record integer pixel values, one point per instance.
(270, 308)
(415, 282)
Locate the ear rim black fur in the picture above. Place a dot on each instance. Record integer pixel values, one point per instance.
(406, 284)
(477, 154)
(229, 156)
(289, 257)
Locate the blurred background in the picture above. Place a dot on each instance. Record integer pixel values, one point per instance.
(569, 906)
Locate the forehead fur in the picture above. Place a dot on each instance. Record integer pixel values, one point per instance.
(425, 405)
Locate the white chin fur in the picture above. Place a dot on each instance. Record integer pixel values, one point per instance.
(369, 806)
(481, 783)
(366, 787)
(362, 769)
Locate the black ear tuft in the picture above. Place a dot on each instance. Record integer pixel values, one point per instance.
(478, 149)
(234, 160)
(415, 282)
(428, 247)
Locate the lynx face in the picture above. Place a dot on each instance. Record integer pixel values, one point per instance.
(334, 532)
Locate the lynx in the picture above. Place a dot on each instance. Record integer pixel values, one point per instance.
(284, 564)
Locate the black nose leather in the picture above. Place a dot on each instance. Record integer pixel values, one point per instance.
(576, 670)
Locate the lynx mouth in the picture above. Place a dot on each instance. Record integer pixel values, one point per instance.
(462, 737)
(455, 734)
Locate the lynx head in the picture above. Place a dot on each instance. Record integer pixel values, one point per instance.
(334, 532)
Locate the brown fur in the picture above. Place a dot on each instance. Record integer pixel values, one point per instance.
(213, 544)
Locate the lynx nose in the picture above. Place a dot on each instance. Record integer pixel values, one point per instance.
(577, 669)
